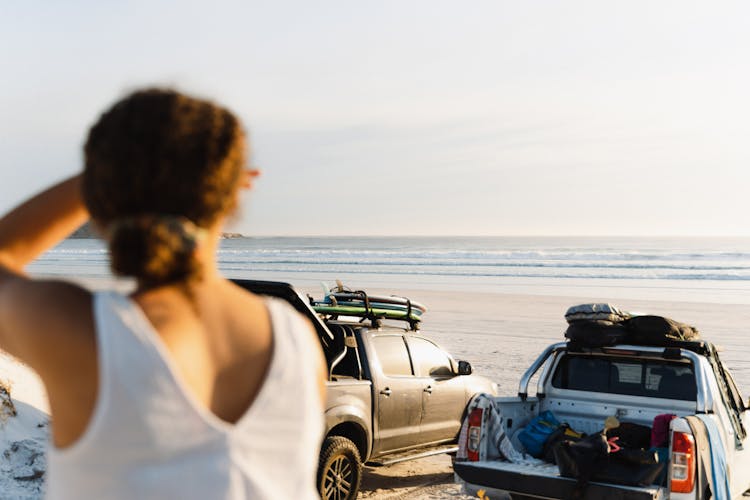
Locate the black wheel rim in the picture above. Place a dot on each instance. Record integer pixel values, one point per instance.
(337, 482)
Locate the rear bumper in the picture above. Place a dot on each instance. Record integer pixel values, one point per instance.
(542, 482)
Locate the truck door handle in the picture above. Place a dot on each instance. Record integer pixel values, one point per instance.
(428, 389)
(386, 391)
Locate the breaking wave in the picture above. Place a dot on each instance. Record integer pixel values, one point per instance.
(552, 258)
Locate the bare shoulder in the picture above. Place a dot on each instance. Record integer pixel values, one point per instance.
(252, 302)
(243, 296)
(246, 305)
(247, 302)
(307, 332)
(40, 317)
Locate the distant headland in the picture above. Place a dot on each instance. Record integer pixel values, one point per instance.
(86, 231)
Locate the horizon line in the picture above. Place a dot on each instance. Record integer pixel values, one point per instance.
(243, 235)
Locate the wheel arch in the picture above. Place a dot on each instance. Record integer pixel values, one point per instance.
(355, 433)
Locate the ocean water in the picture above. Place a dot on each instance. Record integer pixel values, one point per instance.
(688, 269)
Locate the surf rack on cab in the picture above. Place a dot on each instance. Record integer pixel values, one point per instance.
(342, 301)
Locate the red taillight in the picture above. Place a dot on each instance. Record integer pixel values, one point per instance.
(683, 462)
(473, 434)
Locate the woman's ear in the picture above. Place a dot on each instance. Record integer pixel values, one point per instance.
(248, 178)
(247, 181)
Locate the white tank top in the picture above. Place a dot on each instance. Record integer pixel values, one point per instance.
(148, 438)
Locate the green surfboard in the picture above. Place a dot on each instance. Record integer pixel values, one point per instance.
(361, 311)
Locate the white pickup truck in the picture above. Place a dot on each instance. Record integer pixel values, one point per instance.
(635, 383)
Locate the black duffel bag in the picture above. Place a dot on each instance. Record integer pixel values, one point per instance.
(589, 460)
(631, 436)
(659, 331)
(596, 333)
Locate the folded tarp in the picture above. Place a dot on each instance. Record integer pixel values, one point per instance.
(711, 480)
(494, 443)
(595, 312)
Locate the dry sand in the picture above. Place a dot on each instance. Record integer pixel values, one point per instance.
(500, 334)
(23, 436)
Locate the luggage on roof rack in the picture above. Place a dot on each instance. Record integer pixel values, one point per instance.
(657, 330)
(596, 325)
(604, 325)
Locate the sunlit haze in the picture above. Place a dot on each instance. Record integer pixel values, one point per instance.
(416, 117)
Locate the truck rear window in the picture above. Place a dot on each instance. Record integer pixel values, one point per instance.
(632, 377)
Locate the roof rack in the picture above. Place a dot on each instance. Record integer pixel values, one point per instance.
(369, 310)
(701, 347)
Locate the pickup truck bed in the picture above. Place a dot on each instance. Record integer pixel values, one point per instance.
(582, 387)
(543, 481)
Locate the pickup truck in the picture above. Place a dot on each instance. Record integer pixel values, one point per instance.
(635, 383)
(393, 394)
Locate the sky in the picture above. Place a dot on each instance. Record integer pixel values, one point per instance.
(416, 117)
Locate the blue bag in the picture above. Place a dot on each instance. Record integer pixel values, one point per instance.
(534, 435)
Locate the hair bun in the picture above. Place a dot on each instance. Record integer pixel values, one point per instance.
(155, 249)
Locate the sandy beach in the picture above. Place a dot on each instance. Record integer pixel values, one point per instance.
(500, 334)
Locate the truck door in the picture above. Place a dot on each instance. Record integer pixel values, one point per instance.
(398, 393)
(443, 392)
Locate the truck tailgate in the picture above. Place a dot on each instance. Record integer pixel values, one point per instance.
(544, 481)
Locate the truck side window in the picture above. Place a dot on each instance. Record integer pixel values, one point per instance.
(392, 354)
(429, 359)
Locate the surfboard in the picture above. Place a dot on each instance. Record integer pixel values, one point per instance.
(376, 305)
(390, 300)
(343, 301)
(362, 311)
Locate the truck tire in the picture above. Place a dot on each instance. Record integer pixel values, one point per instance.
(339, 469)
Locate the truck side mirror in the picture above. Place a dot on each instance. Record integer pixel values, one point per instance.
(464, 368)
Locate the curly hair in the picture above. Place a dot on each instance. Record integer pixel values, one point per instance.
(157, 163)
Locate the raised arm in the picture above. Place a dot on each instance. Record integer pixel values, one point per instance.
(26, 306)
(39, 224)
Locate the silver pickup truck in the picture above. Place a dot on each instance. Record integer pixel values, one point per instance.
(635, 383)
(393, 394)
